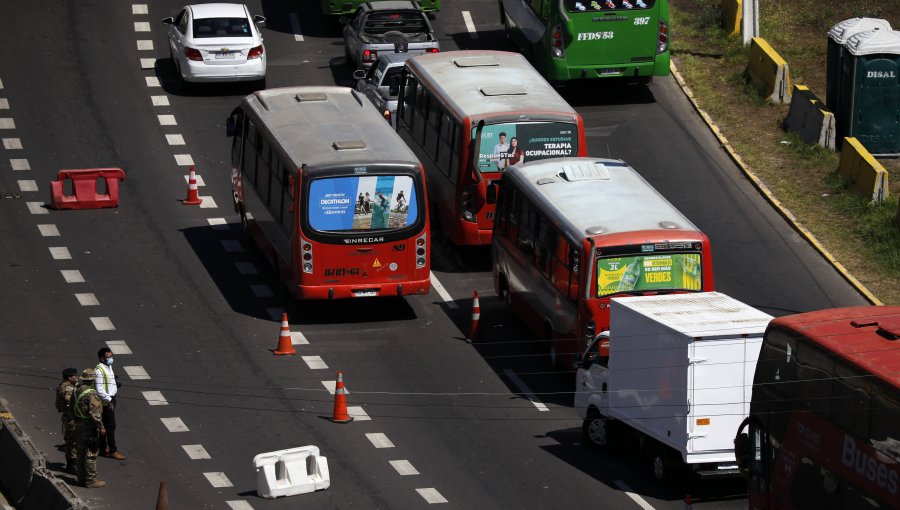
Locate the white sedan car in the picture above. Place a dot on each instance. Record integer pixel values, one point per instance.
(217, 42)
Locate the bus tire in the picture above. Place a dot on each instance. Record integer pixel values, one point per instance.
(595, 430)
(660, 464)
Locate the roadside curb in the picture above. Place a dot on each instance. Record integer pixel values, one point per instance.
(782, 210)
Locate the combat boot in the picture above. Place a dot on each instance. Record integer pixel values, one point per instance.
(96, 484)
(71, 468)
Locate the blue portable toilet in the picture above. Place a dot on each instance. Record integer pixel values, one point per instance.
(837, 37)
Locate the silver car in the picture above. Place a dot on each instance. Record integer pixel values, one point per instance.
(387, 27)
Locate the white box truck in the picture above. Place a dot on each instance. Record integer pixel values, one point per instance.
(673, 375)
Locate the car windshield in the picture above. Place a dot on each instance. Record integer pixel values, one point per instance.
(391, 79)
(410, 22)
(222, 27)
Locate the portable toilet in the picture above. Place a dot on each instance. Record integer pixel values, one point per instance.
(837, 37)
(870, 90)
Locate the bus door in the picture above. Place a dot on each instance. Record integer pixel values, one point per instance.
(611, 32)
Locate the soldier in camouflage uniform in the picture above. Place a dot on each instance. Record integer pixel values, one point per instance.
(87, 409)
(64, 392)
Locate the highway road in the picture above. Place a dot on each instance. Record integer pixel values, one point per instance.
(192, 311)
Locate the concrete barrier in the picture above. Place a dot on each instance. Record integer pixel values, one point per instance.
(290, 472)
(768, 72)
(731, 16)
(810, 118)
(863, 173)
(48, 492)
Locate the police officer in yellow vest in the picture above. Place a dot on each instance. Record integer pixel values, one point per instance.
(87, 409)
(64, 392)
(107, 385)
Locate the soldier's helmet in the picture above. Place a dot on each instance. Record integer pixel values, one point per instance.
(87, 374)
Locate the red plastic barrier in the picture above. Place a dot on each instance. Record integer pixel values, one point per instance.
(84, 184)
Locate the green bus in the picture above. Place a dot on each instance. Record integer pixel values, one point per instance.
(576, 39)
(348, 7)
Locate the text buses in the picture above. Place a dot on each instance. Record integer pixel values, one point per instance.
(573, 39)
(330, 193)
(824, 424)
(573, 232)
(470, 114)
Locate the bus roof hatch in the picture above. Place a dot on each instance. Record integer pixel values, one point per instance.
(503, 90)
(486, 61)
(305, 97)
(341, 145)
(585, 172)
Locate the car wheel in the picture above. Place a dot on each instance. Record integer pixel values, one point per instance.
(595, 430)
(660, 465)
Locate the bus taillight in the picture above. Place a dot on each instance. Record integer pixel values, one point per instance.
(369, 56)
(306, 255)
(663, 37)
(557, 42)
(387, 115)
(421, 252)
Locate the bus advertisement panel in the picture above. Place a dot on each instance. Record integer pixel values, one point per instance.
(647, 273)
(509, 143)
(351, 204)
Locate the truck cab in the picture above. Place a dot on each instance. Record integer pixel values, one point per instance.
(381, 83)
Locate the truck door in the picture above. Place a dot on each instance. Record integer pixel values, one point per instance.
(716, 378)
(592, 377)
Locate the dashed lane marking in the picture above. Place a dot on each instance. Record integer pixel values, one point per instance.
(314, 362)
(136, 373)
(196, 451)
(184, 160)
(261, 291)
(4, 103)
(443, 292)
(60, 253)
(145, 45)
(175, 139)
(198, 177)
(148, 63)
(295, 26)
(141, 26)
(118, 347)
(7, 123)
(87, 299)
(297, 338)
(523, 388)
(232, 246)
(152, 81)
(20, 164)
(160, 100)
(103, 323)
(275, 313)
(431, 495)
(246, 268)
(155, 398)
(139, 9)
(72, 276)
(329, 385)
(239, 504)
(634, 497)
(26, 185)
(379, 440)
(12, 144)
(470, 25)
(218, 223)
(167, 120)
(358, 413)
(174, 424)
(404, 467)
(208, 203)
(48, 230)
(37, 208)
(218, 479)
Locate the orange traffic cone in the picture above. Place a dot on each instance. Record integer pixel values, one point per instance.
(162, 499)
(475, 329)
(340, 401)
(192, 197)
(285, 346)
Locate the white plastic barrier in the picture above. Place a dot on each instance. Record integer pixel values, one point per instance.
(290, 472)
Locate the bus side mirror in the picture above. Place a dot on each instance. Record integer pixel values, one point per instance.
(742, 452)
(492, 193)
(230, 126)
(168, 21)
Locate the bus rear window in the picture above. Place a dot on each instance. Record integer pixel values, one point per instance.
(357, 204)
(606, 5)
(502, 145)
(647, 273)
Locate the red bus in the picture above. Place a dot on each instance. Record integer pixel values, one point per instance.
(824, 424)
(470, 114)
(330, 193)
(571, 233)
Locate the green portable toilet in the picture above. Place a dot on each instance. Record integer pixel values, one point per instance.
(837, 37)
(870, 92)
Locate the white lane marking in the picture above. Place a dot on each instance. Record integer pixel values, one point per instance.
(239, 504)
(175, 139)
(28, 185)
(103, 324)
(431, 495)
(525, 390)
(261, 291)
(232, 246)
(295, 26)
(218, 223)
(246, 268)
(4, 103)
(87, 299)
(358, 413)
(198, 177)
(637, 499)
(72, 276)
(145, 45)
(167, 120)
(7, 123)
(60, 253)
(314, 362)
(443, 292)
(196, 451)
(208, 203)
(470, 25)
(48, 230)
(155, 398)
(160, 100)
(136, 373)
(148, 63)
(297, 338)
(275, 313)
(20, 164)
(379, 440)
(152, 81)
(329, 385)
(139, 9)
(174, 424)
(404, 467)
(1, 84)
(218, 479)
(37, 208)
(118, 347)
(184, 160)
(12, 144)
(141, 26)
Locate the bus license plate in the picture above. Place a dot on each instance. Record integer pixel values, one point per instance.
(366, 293)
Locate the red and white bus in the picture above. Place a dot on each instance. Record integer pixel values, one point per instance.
(470, 114)
(571, 233)
(824, 424)
(330, 193)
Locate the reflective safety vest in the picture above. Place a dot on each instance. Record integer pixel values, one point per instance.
(103, 369)
(76, 402)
